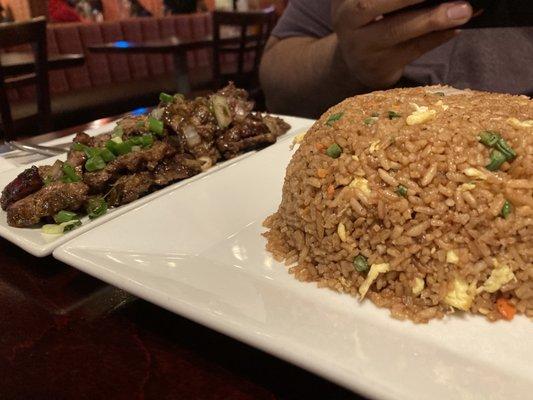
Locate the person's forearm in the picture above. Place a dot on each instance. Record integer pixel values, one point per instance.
(304, 76)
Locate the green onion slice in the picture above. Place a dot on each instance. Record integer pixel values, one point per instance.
(58, 229)
(334, 118)
(117, 132)
(64, 216)
(506, 209)
(95, 163)
(155, 126)
(107, 155)
(165, 97)
(70, 174)
(489, 138)
(96, 207)
(497, 158)
(360, 263)
(401, 190)
(370, 121)
(505, 149)
(334, 151)
(393, 114)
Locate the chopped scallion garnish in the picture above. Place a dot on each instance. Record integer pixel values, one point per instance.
(64, 216)
(334, 118)
(155, 126)
(334, 150)
(506, 209)
(165, 98)
(95, 163)
(58, 229)
(489, 138)
(497, 158)
(360, 263)
(504, 148)
(393, 114)
(70, 174)
(401, 190)
(370, 121)
(96, 207)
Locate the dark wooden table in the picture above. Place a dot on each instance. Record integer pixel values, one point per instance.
(65, 335)
(19, 63)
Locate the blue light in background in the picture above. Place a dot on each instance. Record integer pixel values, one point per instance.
(122, 44)
(139, 111)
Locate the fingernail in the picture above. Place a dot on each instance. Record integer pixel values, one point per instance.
(459, 11)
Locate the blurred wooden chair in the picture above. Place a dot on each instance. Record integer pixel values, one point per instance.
(253, 30)
(32, 32)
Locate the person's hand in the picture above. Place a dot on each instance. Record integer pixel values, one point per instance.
(376, 47)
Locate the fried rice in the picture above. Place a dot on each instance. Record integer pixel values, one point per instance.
(418, 199)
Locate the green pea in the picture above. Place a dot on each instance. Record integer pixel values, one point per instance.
(506, 209)
(360, 263)
(401, 190)
(334, 151)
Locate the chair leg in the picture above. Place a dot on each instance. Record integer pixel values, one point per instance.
(7, 119)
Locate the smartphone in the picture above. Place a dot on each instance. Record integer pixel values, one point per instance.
(493, 13)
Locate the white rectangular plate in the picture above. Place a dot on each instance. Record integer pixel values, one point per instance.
(199, 253)
(34, 242)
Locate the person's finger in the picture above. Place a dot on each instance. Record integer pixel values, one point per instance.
(409, 51)
(403, 27)
(357, 13)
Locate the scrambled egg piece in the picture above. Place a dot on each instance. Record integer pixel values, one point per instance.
(467, 186)
(442, 105)
(462, 295)
(451, 257)
(420, 115)
(341, 231)
(362, 185)
(474, 173)
(374, 146)
(418, 285)
(375, 270)
(499, 276)
(298, 138)
(520, 124)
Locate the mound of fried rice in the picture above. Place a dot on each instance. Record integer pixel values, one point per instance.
(408, 215)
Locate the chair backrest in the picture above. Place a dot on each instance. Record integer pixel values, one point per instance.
(254, 28)
(32, 32)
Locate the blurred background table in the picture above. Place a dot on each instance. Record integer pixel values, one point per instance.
(66, 335)
(178, 48)
(18, 63)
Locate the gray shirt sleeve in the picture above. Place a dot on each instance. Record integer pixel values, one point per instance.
(305, 18)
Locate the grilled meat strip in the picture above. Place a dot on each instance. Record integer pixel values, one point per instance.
(47, 202)
(173, 169)
(146, 159)
(130, 187)
(246, 135)
(27, 182)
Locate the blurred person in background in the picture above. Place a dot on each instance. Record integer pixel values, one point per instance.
(180, 6)
(62, 11)
(323, 51)
(137, 10)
